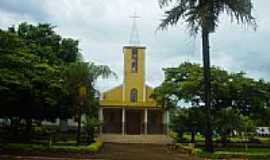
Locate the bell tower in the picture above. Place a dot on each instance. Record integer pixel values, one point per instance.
(134, 67)
(134, 73)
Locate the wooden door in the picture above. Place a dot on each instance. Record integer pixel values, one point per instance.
(133, 121)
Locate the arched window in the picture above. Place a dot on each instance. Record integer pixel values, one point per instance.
(133, 95)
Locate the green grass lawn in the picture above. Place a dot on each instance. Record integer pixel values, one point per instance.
(235, 139)
(251, 153)
(228, 152)
(257, 147)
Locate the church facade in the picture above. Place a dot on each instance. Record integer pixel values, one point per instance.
(128, 109)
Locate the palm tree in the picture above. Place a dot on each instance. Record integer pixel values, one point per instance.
(203, 16)
(80, 78)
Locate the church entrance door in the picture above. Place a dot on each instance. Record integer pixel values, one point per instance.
(133, 120)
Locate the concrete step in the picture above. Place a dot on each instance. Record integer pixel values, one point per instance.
(136, 139)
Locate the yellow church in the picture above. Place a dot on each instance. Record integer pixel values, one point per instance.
(127, 112)
(127, 109)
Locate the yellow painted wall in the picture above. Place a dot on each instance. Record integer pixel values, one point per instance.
(114, 94)
(134, 80)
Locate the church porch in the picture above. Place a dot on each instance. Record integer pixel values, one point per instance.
(133, 121)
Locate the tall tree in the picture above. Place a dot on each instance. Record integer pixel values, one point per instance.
(80, 78)
(31, 60)
(203, 16)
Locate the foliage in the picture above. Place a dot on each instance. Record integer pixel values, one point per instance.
(190, 149)
(184, 83)
(94, 147)
(188, 120)
(205, 14)
(30, 76)
(42, 77)
(80, 78)
(91, 125)
(237, 101)
(47, 44)
(228, 153)
(37, 148)
(229, 122)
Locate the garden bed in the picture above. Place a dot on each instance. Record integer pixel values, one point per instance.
(37, 148)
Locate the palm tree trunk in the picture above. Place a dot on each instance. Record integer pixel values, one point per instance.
(79, 125)
(207, 87)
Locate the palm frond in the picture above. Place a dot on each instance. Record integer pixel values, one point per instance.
(101, 71)
(205, 13)
(240, 10)
(172, 17)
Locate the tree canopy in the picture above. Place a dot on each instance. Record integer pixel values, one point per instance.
(33, 84)
(200, 14)
(238, 102)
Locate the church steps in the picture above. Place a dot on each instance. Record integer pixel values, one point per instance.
(136, 139)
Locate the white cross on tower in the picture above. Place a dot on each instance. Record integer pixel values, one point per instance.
(134, 39)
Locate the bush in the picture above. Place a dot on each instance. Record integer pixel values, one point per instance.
(190, 149)
(94, 147)
(227, 153)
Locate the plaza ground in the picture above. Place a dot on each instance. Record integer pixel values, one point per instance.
(112, 151)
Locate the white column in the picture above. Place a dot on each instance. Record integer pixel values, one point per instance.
(168, 117)
(123, 120)
(145, 120)
(100, 118)
(166, 121)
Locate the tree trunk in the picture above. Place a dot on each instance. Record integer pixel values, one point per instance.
(207, 87)
(29, 129)
(224, 140)
(79, 125)
(14, 126)
(193, 136)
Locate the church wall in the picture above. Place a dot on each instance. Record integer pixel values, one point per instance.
(114, 94)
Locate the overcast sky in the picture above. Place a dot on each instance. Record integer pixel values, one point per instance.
(103, 28)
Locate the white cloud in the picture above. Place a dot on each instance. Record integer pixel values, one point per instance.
(103, 28)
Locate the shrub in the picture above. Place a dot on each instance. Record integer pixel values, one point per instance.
(190, 149)
(94, 147)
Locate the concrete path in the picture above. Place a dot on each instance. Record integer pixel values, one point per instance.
(113, 151)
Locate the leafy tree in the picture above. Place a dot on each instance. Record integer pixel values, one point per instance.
(248, 126)
(233, 94)
(227, 121)
(186, 83)
(26, 80)
(47, 44)
(251, 97)
(31, 85)
(178, 119)
(188, 120)
(203, 16)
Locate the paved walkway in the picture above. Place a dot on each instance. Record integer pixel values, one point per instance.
(112, 151)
